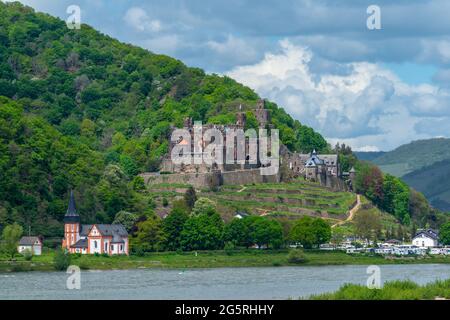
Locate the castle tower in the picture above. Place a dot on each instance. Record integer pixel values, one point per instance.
(241, 119)
(188, 122)
(71, 224)
(262, 114)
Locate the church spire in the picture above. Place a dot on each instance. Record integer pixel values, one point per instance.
(71, 213)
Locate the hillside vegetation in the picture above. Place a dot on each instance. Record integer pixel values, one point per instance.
(82, 110)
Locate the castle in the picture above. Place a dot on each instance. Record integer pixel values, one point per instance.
(320, 168)
(111, 239)
(262, 115)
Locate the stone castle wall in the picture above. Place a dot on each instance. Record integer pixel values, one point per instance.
(211, 179)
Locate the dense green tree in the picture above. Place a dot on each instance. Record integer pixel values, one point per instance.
(149, 236)
(10, 239)
(203, 232)
(266, 232)
(127, 219)
(322, 231)
(237, 232)
(444, 234)
(173, 225)
(310, 232)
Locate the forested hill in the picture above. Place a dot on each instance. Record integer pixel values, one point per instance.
(82, 110)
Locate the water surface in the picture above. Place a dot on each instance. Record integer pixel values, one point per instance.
(221, 283)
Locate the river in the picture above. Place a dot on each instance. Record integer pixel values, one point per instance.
(221, 283)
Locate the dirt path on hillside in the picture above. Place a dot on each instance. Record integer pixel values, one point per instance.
(243, 188)
(351, 212)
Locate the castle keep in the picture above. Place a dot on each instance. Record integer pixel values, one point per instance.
(321, 168)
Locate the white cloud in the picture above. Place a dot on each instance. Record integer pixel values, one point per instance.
(368, 107)
(138, 18)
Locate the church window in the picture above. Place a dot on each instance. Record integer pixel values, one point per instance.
(112, 247)
(106, 246)
(95, 244)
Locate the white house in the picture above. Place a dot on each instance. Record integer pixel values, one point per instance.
(32, 244)
(426, 238)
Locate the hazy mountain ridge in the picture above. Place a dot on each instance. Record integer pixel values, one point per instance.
(434, 182)
(424, 165)
(413, 156)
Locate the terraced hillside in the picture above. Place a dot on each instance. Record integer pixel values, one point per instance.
(289, 200)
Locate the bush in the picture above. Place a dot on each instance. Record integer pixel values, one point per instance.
(229, 247)
(83, 263)
(61, 261)
(296, 256)
(28, 255)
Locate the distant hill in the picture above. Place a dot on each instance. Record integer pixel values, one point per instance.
(368, 155)
(434, 182)
(413, 156)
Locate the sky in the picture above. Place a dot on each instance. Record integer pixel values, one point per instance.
(371, 89)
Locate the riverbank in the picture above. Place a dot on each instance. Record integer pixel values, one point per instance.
(392, 290)
(211, 259)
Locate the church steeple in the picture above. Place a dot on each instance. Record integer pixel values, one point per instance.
(71, 213)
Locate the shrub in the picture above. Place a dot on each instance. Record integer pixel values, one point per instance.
(276, 264)
(61, 261)
(296, 256)
(83, 263)
(28, 255)
(229, 247)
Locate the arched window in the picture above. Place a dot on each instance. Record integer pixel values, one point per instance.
(95, 244)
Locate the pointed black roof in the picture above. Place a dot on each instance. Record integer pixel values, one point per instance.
(71, 214)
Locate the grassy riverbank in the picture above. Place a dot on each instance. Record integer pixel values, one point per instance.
(393, 290)
(208, 259)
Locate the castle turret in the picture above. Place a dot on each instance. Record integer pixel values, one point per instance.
(352, 173)
(262, 114)
(241, 119)
(71, 224)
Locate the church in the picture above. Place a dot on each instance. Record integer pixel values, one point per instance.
(110, 239)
